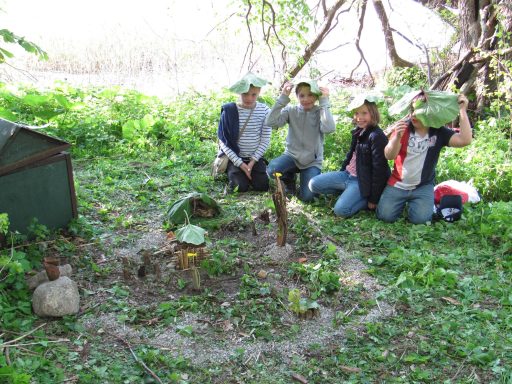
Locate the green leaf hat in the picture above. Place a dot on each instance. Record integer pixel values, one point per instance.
(313, 85)
(439, 108)
(244, 84)
(359, 100)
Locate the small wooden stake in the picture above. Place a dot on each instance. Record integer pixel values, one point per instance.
(282, 215)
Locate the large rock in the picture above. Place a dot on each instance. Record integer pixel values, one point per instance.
(41, 277)
(56, 298)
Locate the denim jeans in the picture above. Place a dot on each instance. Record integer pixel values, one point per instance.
(285, 165)
(420, 203)
(343, 184)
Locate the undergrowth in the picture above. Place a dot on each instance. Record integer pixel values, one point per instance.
(448, 284)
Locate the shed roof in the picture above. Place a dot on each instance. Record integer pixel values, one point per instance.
(21, 146)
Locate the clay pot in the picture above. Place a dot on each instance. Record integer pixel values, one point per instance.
(51, 265)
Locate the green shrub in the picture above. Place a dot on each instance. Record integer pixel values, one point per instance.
(487, 161)
(413, 77)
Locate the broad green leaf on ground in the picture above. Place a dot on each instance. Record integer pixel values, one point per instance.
(191, 234)
(440, 108)
(193, 205)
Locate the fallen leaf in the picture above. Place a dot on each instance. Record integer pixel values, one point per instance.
(350, 369)
(451, 300)
(303, 260)
(171, 235)
(299, 378)
(227, 326)
(262, 274)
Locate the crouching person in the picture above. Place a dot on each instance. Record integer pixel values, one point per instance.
(415, 146)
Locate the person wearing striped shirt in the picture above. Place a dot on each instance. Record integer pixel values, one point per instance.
(243, 136)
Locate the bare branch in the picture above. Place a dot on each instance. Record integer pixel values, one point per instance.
(311, 48)
(250, 45)
(456, 66)
(358, 39)
(388, 36)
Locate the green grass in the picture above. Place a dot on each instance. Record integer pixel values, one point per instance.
(448, 285)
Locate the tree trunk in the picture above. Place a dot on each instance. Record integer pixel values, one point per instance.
(396, 60)
(469, 25)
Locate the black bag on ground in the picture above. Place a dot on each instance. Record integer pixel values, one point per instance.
(450, 208)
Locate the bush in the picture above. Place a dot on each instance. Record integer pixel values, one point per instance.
(413, 77)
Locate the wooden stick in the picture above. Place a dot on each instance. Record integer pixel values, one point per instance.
(146, 368)
(10, 342)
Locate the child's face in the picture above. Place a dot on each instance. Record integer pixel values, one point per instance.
(362, 117)
(307, 99)
(249, 98)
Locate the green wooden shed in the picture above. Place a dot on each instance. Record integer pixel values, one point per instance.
(36, 178)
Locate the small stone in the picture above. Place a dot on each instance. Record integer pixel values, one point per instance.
(41, 277)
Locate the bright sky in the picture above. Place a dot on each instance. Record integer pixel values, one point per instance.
(190, 21)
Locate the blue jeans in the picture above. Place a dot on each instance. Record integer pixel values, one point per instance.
(420, 203)
(285, 165)
(343, 184)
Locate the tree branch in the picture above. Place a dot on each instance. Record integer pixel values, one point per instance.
(311, 48)
(250, 45)
(358, 39)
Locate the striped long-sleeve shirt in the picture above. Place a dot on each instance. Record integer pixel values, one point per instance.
(255, 138)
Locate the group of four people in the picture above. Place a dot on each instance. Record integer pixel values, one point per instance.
(364, 180)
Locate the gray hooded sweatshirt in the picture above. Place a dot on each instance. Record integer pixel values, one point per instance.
(306, 129)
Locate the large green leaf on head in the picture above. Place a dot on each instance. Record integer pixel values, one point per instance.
(194, 204)
(244, 84)
(313, 85)
(191, 234)
(359, 100)
(439, 108)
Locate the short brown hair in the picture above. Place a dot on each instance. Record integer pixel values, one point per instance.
(299, 86)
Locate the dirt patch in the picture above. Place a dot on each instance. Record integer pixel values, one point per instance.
(215, 340)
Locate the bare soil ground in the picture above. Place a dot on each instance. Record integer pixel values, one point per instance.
(216, 340)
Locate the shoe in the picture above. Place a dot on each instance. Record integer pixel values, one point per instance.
(290, 188)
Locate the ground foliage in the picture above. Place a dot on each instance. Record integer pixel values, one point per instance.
(398, 303)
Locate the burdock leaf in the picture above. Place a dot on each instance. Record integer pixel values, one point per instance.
(402, 106)
(440, 108)
(359, 100)
(191, 234)
(313, 85)
(244, 84)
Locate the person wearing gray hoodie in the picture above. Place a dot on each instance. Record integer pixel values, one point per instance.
(307, 125)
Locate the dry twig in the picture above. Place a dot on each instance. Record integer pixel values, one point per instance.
(146, 368)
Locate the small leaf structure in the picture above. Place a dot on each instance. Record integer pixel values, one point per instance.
(193, 205)
(191, 234)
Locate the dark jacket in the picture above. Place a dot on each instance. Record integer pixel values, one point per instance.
(229, 127)
(371, 165)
